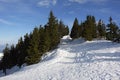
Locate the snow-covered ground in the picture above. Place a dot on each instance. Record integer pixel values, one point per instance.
(75, 60)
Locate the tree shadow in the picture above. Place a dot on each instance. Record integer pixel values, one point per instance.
(91, 46)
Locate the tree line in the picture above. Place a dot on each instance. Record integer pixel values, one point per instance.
(33, 46)
(90, 29)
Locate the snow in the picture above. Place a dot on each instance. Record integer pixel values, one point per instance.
(75, 60)
(1, 55)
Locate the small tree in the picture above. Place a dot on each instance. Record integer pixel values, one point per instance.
(5, 59)
(112, 30)
(101, 29)
(75, 29)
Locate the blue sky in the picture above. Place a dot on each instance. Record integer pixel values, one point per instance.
(18, 17)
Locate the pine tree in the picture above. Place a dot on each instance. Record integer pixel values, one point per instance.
(5, 59)
(52, 27)
(112, 30)
(33, 50)
(66, 32)
(44, 44)
(46, 41)
(62, 29)
(75, 29)
(89, 30)
(94, 27)
(20, 52)
(12, 57)
(101, 29)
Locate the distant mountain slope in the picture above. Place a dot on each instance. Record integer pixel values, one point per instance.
(75, 60)
(1, 48)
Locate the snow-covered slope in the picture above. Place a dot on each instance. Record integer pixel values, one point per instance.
(75, 60)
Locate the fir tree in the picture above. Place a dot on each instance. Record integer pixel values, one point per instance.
(112, 30)
(62, 29)
(90, 30)
(75, 29)
(52, 27)
(20, 52)
(101, 29)
(5, 59)
(33, 50)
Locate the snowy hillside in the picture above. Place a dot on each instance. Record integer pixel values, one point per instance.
(75, 60)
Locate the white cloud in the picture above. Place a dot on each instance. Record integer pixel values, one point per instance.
(78, 1)
(86, 1)
(5, 22)
(47, 2)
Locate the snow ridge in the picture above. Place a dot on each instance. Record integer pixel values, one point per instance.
(75, 60)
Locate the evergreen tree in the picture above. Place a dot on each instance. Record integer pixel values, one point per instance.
(44, 44)
(46, 41)
(66, 32)
(112, 30)
(62, 29)
(90, 30)
(94, 27)
(33, 50)
(12, 57)
(101, 29)
(52, 27)
(75, 29)
(5, 59)
(21, 52)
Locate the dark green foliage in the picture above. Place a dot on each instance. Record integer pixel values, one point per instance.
(5, 59)
(52, 27)
(62, 29)
(33, 50)
(12, 57)
(101, 29)
(66, 31)
(89, 28)
(112, 30)
(86, 29)
(44, 40)
(21, 51)
(75, 29)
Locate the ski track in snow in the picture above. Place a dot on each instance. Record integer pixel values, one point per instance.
(75, 60)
